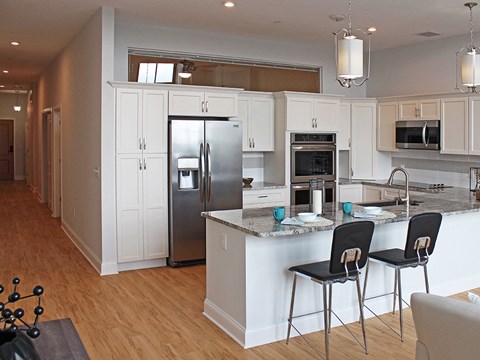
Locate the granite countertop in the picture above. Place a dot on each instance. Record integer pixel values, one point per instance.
(261, 185)
(260, 222)
(383, 183)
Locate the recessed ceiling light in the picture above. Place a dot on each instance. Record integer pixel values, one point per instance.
(337, 18)
(5, 71)
(14, 43)
(2, 86)
(372, 29)
(229, 4)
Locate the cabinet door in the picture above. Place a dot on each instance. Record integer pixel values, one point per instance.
(261, 124)
(350, 192)
(429, 109)
(264, 198)
(326, 115)
(155, 119)
(155, 206)
(407, 110)
(343, 138)
(363, 141)
(186, 103)
(129, 121)
(474, 126)
(300, 114)
(371, 193)
(243, 116)
(454, 126)
(221, 104)
(129, 208)
(386, 118)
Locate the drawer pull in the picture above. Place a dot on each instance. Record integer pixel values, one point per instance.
(262, 196)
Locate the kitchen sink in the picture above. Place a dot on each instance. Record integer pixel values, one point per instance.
(393, 202)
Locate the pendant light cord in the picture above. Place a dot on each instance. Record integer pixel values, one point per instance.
(471, 26)
(349, 17)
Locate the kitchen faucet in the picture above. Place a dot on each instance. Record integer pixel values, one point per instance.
(407, 192)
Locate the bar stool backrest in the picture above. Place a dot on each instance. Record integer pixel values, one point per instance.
(424, 226)
(349, 240)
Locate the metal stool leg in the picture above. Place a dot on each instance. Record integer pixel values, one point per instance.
(329, 307)
(427, 286)
(362, 318)
(394, 292)
(291, 306)
(397, 269)
(325, 319)
(365, 281)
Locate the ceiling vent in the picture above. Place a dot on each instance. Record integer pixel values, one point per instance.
(428, 34)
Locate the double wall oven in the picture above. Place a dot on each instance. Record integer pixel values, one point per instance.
(312, 156)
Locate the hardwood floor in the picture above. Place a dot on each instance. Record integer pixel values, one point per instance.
(146, 314)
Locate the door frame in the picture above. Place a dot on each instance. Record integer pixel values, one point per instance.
(14, 160)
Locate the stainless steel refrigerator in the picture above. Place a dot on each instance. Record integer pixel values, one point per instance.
(205, 174)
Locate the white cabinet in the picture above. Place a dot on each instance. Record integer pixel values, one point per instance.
(454, 126)
(141, 119)
(199, 103)
(264, 198)
(372, 193)
(426, 109)
(141, 174)
(474, 126)
(363, 147)
(142, 207)
(256, 111)
(386, 118)
(343, 137)
(350, 192)
(312, 113)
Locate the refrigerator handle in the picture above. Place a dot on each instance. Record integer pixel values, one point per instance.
(202, 174)
(209, 173)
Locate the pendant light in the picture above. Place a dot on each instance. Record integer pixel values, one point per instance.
(17, 107)
(187, 68)
(468, 62)
(349, 54)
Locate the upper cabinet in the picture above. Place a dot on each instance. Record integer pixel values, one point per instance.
(386, 119)
(200, 103)
(474, 126)
(428, 109)
(311, 112)
(256, 111)
(343, 137)
(141, 117)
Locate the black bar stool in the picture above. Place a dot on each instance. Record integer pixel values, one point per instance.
(350, 246)
(421, 238)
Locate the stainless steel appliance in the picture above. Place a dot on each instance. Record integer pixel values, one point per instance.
(313, 156)
(205, 174)
(415, 134)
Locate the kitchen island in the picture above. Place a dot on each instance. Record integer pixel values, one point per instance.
(248, 256)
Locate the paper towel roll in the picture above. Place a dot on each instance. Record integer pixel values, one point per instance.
(317, 206)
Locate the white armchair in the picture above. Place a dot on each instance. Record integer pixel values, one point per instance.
(446, 328)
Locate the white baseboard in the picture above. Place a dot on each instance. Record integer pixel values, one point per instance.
(109, 269)
(137, 265)
(84, 248)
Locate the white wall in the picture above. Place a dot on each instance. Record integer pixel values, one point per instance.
(74, 81)
(135, 35)
(7, 100)
(423, 68)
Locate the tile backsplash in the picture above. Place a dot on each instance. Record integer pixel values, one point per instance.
(253, 166)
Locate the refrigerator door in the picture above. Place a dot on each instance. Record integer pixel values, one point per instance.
(223, 152)
(186, 191)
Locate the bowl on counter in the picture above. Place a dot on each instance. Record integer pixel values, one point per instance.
(372, 210)
(307, 216)
(247, 181)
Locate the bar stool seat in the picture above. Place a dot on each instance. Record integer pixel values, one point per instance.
(421, 239)
(350, 246)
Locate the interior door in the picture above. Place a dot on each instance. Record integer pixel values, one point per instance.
(6, 149)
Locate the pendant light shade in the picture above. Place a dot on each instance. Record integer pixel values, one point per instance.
(468, 62)
(349, 54)
(17, 107)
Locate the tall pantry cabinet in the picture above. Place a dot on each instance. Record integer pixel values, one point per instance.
(141, 175)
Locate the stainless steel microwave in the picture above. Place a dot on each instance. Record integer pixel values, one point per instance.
(415, 134)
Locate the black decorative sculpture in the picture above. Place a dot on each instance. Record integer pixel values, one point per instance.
(13, 343)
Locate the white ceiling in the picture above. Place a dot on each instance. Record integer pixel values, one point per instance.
(44, 27)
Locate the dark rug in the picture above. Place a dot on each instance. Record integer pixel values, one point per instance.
(59, 340)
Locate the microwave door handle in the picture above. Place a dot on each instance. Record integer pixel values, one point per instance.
(427, 136)
(202, 174)
(424, 134)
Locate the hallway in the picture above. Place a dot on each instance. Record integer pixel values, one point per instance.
(145, 314)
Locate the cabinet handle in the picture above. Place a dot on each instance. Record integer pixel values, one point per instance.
(203, 106)
(144, 164)
(140, 143)
(206, 106)
(249, 142)
(316, 123)
(144, 144)
(253, 142)
(313, 122)
(262, 196)
(140, 164)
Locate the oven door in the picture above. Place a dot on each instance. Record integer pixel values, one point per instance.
(312, 161)
(422, 135)
(300, 193)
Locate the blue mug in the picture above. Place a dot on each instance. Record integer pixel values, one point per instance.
(279, 213)
(347, 207)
